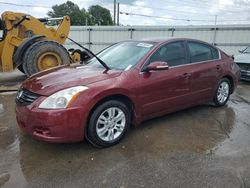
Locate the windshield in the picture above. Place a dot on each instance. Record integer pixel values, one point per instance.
(123, 55)
(247, 50)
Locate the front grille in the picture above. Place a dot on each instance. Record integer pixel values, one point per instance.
(25, 97)
(244, 66)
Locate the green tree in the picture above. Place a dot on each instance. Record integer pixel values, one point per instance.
(100, 15)
(96, 15)
(77, 16)
(88, 20)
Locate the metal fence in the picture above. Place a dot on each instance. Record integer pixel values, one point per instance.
(229, 38)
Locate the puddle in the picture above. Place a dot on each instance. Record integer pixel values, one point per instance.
(181, 144)
(8, 92)
(1, 108)
(3, 129)
(14, 147)
(4, 177)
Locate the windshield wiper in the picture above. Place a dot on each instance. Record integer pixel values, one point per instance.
(91, 53)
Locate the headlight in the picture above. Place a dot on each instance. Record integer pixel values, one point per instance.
(63, 98)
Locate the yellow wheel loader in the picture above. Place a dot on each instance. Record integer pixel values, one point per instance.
(31, 46)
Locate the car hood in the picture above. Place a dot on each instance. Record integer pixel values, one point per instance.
(242, 58)
(50, 81)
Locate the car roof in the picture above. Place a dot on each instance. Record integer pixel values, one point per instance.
(166, 39)
(156, 39)
(170, 39)
(161, 40)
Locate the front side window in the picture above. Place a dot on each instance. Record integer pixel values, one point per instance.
(202, 52)
(173, 53)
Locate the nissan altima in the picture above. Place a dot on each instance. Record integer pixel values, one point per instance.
(125, 84)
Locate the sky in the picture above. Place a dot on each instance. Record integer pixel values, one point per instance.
(156, 12)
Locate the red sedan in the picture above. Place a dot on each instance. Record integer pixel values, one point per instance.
(125, 84)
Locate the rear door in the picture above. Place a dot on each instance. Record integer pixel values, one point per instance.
(206, 70)
(166, 90)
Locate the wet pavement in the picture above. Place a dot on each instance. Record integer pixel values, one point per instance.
(203, 146)
(10, 81)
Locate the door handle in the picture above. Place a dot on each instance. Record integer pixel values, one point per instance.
(218, 67)
(187, 75)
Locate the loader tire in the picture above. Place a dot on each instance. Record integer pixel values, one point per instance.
(43, 55)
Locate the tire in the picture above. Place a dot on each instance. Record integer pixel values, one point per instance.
(42, 55)
(99, 133)
(222, 92)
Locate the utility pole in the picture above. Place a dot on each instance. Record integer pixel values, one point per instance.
(215, 20)
(118, 14)
(215, 24)
(114, 11)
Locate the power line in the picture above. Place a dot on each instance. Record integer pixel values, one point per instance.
(136, 14)
(157, 8)
(206, 6)
(181, 12)
(24, 5)
(236, 4)
(196, 6)
(178, 19)
(144, 15)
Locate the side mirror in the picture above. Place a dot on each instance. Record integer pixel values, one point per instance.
(157, 66)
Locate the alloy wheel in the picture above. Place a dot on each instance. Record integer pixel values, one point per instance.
(223, 92)
(110, 124)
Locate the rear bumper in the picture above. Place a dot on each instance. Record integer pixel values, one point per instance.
(57, 126)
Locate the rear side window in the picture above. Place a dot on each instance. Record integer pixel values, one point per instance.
(202, 52)
(173, 53)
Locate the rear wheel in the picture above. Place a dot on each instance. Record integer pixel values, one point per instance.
(223, 92)
(43, 55)
(108, 123)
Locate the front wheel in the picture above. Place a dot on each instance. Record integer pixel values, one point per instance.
(108, 123)
(222, 92)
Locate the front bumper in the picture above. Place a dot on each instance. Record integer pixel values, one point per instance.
(58, 126)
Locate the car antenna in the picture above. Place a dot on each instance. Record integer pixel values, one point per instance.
(89, 51)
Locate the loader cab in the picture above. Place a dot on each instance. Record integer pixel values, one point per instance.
(1, 29)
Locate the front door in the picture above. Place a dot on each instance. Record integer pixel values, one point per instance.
(166, 90)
